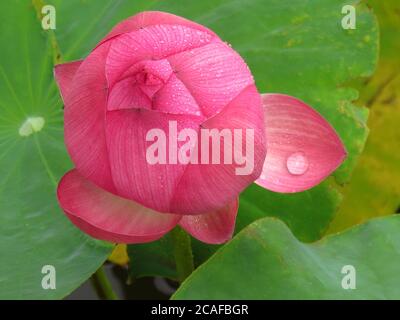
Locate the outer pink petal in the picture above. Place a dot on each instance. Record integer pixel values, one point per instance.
(151, 18)
(64, 73)
(152, 185)
(214, 227)
(108, 217)
(213, 74)
(154, 42)
(84, 115)
(206, 187)
(303, 148)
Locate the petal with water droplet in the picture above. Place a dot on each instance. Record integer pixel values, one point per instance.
(215, 227)
(206, 187)
(126, 95)
(175, 98)
(151, 18)
(136, 174)
(302, 147)
(152, 43)
(214, 75)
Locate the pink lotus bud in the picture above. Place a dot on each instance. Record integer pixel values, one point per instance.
(137, 113)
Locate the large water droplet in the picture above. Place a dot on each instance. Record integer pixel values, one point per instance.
(297, 163)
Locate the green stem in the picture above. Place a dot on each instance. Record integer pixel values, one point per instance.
(183, 253)
(102, 285)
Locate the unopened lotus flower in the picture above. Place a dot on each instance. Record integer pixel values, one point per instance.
(153, 69)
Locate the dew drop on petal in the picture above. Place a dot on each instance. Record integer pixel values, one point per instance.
(297, 163)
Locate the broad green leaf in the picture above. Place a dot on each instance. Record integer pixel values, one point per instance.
(306, 213)
(295, 47)
(33, 230)
(375, 187)
(153, 259)
(266, 261)
(389, 24)
(157, 258)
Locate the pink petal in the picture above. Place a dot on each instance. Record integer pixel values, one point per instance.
(213, 74)
(63, 74)
(151, 185)
(151, 18)
(152, 43)
(214, 227)
(161, 69)
(206, 187)
(303, 148)
(126, 95)
(175, 98)
(138, 84)
(150, 90)
(108, 217)
(84, 116)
